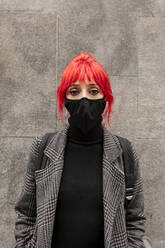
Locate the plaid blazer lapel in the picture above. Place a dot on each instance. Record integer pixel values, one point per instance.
(113, 182)
(48, 181)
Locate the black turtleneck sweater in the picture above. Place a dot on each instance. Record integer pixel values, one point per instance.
(79, 219)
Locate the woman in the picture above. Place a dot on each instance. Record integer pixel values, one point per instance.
(77, 198)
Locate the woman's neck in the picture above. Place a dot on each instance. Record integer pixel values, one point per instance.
(94, 135)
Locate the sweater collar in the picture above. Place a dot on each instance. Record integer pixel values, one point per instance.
(95, 135)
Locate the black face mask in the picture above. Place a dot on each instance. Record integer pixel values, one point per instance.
(85, 113)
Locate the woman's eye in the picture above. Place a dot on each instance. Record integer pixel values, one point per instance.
(73, 92)
(94, 92)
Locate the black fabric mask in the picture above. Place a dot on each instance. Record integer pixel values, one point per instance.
(85, 113)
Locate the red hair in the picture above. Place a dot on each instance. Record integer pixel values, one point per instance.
(85, 65)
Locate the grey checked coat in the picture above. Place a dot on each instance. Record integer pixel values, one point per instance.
(36, 205)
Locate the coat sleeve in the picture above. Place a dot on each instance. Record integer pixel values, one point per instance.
(25, 207)
(135, 217)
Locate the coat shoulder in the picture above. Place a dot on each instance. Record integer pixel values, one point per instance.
(117, 137)
(129, 143)
(38, 141)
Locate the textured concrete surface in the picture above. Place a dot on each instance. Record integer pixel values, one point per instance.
(37, 41)
(28, 72)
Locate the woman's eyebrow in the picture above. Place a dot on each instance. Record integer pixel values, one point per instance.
(88, 85)
(93, 85)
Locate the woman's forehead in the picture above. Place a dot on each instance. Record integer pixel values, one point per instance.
(83, 82)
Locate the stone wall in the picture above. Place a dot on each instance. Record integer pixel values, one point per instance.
(37, 41)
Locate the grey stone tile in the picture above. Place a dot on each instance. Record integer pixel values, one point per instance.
(125, 94)
(6, 239)
(124, 124)
(13, 160)
(159, 10)
(145, 8)
(159, 243)
(3, 179)
(28, 73)
(133, 125)
(151, 155)
(5, 223)
(14, 157)
(140, 7)
(124, 114)
(7, 227)
(151, 87)
(107, 33)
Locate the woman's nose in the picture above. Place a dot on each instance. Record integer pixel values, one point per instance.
(84, 93)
